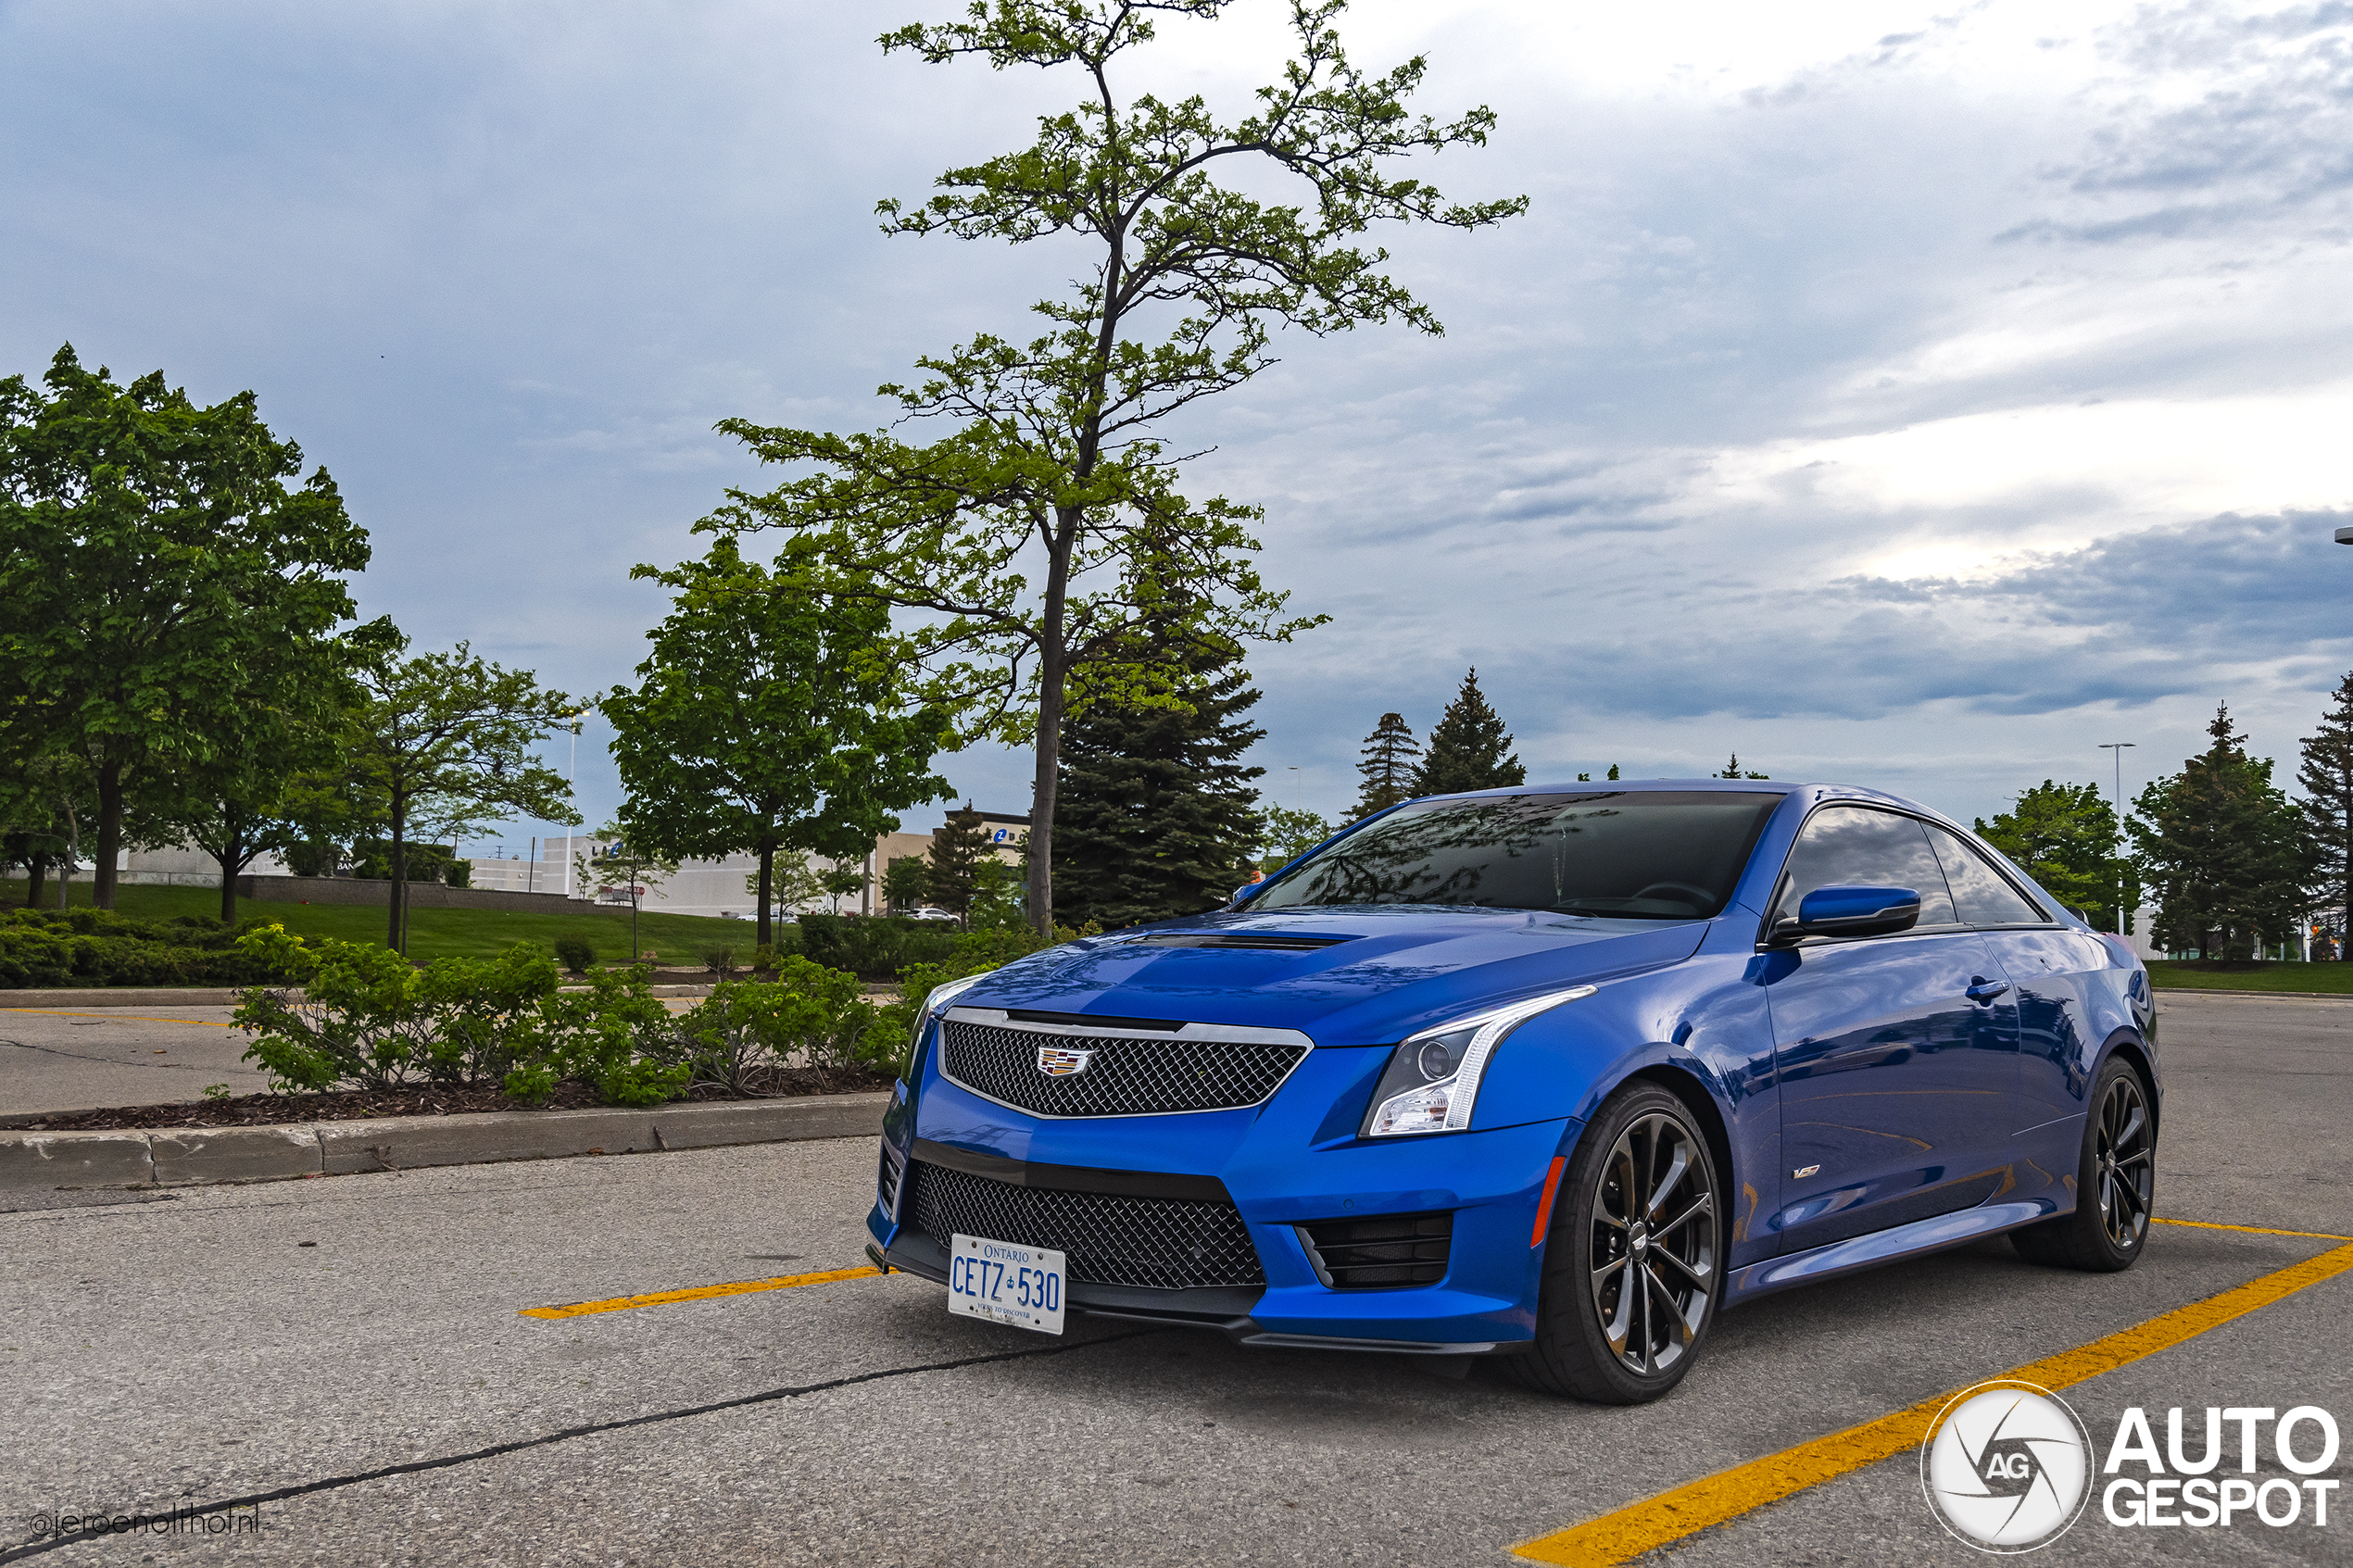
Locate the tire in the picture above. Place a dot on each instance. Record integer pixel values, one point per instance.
(1592, 1342)
(2115, 1182)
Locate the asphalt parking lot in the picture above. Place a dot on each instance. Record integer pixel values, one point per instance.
(350, 1349)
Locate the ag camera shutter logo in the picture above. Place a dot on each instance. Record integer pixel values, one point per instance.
(2006, 1467)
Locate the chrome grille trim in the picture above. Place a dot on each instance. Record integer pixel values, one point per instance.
(1138, 1074)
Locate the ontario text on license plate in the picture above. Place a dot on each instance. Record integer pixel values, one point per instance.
(1005, 1281)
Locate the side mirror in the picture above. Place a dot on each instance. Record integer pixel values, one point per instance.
(1854, 912)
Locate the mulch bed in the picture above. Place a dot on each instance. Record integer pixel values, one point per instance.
(436, 1099)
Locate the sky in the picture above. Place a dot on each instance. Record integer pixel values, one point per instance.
(1899, 395)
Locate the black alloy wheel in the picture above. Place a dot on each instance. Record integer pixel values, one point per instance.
(1631, 1258)
(2115, 1184)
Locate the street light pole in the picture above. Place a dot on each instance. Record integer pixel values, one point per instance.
(2117, 748)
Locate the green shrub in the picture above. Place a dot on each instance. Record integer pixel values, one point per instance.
(809, 1016)
(721, 961)
(874, 946)
(576, 953)
(458, 874)
(93, 948)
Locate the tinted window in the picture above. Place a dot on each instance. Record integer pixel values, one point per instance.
(1633, 854)
(1855, 847)
(1984, 895)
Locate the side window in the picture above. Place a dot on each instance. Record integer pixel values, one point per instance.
(1855, 847)
(1984, 895)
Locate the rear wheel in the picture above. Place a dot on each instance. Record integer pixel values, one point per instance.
(2115, 1182)
(1631, 1257)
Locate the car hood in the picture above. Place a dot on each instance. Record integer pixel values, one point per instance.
(1364, 976)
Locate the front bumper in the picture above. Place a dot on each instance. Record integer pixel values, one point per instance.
(1277, 1178)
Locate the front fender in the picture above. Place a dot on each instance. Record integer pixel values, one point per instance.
(1704, 1020)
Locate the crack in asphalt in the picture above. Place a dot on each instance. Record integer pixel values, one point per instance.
(186, 1508)
(118, 1062)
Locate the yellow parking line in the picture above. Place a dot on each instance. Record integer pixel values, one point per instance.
(2252, 1230)
(1645, 1526)
(699, 1293)
(123, 1018)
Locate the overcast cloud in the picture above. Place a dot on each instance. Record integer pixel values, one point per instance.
(1909, 395)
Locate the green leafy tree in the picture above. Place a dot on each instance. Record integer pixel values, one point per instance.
(2222, 849)
(2064, 837)
(767, 719)
(1046, 528)
(1732, 770)
(1291, 832)
(1469, 749)
(163, 588)
(2326, 777)
(1387, 765)
(902, 884)
(1158, 813)
(953, 878)
(445, 738)
(614, 862)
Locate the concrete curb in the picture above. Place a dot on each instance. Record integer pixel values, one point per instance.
(199, 1156)
(192, 996)
(2170, 993)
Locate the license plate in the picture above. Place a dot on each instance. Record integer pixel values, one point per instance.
(1006, 1283)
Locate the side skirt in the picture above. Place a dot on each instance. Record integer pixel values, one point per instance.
(1852, 1256)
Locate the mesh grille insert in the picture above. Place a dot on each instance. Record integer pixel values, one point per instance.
(1122, 1077)
(1390, 1250)
(1159, 1243)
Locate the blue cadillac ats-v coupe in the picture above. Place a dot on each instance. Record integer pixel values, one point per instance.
(1552, 1073)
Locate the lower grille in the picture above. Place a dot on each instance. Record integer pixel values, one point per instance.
(1158, 1243)
(1390, 1249)
(887, 1184)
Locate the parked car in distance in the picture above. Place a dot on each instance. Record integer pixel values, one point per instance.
(1557, 1074)
(930, 913)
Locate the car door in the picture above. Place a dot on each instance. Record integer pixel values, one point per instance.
(1897, 1055)
(2042, 960)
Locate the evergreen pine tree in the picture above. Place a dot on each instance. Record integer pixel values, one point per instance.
(1387, 765)
(1468, 749)
(2327, 780)
(2224, 851)
(958, 848)
(1731, 770)
(1155, 815)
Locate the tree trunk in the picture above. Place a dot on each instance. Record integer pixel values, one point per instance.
(1052, 661)
(110, 834)
(397, 904)
(231, 860)
(767, 875)
(37, 874)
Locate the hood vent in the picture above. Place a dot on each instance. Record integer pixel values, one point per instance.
(1265, 941)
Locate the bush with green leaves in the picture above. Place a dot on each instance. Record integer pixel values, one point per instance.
(874, 947)
(809, 1016)
(576, 953)
(93, 948)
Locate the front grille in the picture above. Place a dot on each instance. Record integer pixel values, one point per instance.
(1122, 1077)
(1390, 1250)
(1160, 1243)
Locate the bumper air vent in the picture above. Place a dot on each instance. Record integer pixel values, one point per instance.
(1385, 1251)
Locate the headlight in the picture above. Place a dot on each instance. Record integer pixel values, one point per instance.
(1431, 1083)
(940, 998)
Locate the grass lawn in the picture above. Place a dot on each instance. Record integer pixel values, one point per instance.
(680, 939)
(2191, 975)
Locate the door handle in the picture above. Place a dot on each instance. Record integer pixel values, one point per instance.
(1986, 990)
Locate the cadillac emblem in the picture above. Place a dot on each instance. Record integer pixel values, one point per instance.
(1061, 1062)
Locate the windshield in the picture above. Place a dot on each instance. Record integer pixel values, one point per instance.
(1630, 855)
